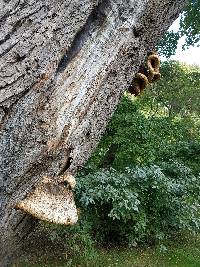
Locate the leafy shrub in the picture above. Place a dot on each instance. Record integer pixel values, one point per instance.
(140, 204)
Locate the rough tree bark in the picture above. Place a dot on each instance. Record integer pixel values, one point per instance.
(63, 68)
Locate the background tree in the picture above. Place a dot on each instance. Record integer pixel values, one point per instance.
(189, 29)
(177, 91)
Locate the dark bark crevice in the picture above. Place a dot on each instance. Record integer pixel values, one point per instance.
(8, 49)
(67, 163)
(95, 20)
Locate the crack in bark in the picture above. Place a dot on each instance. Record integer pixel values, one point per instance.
(94, 21)
(67, 163)
(8, 84)
(7, 112)
(7, 14)
(8, 49)
(13, 12)
(19, 222)
(9, 109)
(18, 24)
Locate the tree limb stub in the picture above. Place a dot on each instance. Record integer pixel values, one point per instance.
(63, 68)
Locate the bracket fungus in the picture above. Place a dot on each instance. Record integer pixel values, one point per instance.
(146, 75)
(153, 65)
(139, 83)
(52, 201)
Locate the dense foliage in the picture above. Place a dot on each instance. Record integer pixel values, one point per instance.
(140, 204)
(189, 29)
(190, 23)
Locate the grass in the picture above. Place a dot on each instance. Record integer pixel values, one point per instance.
(183, 256)
(181, 252)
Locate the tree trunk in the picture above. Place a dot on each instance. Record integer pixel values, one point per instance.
(64, 66)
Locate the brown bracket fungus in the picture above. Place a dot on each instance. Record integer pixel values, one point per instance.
(52, 201)
(153, 65)
(146, 75)
(139, 83)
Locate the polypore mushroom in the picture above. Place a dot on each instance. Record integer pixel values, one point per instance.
(52, 201)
